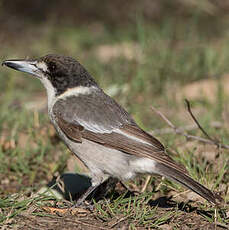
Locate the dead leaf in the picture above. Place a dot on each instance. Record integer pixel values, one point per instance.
(62, 211)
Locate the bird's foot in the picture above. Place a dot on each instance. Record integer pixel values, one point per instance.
(83, 205)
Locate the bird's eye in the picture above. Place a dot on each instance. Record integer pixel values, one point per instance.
(52, 66)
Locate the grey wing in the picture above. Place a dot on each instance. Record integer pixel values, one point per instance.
(96, 112)
(100, 119)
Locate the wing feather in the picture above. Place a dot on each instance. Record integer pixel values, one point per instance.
(107, 123)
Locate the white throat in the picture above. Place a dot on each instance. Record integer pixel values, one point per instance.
(51, 92)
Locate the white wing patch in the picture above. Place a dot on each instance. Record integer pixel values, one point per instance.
(93, 127)
(131, 137)
(98, 128)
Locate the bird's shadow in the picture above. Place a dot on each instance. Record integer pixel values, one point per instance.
(72, 186)
(188, 207)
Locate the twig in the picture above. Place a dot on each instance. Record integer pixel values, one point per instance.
(119, 221)
(146, 183)
(198, 124)
(183, 133)
(222, 225)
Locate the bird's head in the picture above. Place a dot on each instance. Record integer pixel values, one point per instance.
(57, 71)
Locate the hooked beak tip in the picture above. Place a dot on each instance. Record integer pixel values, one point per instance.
(22, 65)
(4, 63)
(11, 64)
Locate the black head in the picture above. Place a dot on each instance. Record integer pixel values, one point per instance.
(65, 72)
(61, 71)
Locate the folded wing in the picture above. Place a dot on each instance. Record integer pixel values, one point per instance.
(100, 119)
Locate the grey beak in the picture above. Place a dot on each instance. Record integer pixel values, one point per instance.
(26, 66)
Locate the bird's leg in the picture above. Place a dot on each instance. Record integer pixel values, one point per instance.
(95, 184)
(86, 194)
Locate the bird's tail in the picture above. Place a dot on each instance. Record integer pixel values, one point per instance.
(188, 182)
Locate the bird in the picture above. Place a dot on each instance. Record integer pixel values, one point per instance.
(99, 131)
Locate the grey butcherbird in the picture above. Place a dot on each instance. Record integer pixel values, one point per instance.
(98, 130)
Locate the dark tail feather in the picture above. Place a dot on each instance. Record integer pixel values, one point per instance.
(188, 182)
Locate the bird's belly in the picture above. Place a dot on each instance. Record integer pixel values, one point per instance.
(100, 158)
